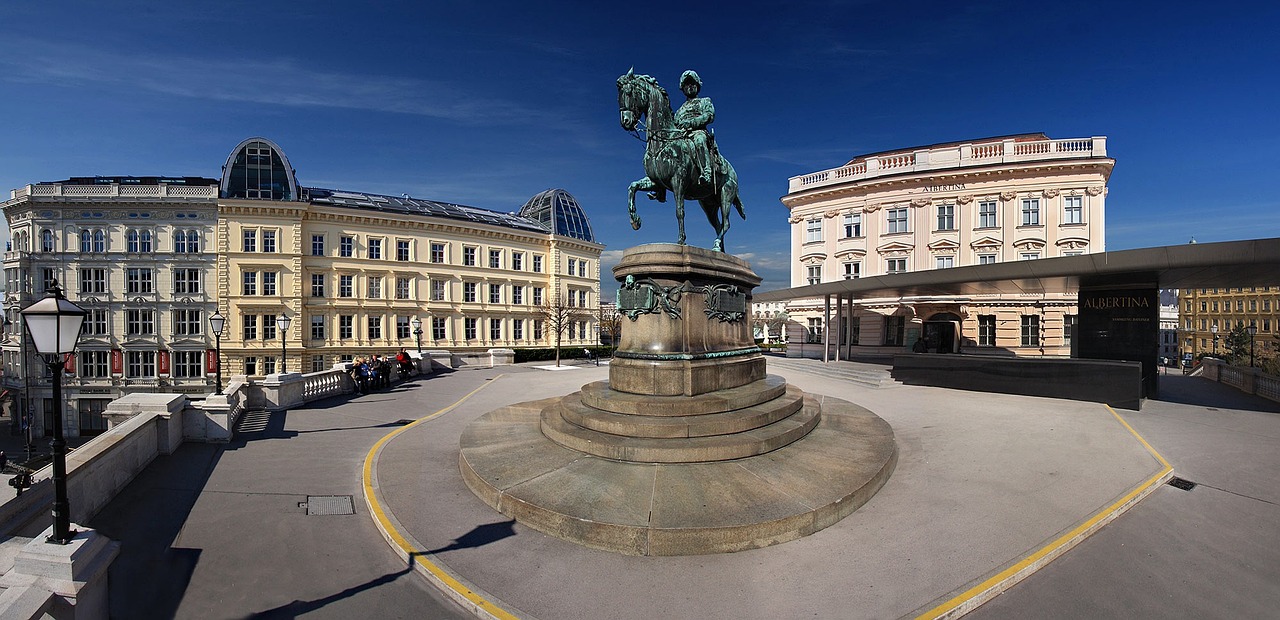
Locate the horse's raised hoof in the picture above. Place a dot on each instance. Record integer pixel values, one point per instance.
(635, 223)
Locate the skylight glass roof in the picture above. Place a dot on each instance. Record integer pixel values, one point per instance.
(421, 206)
(559, 211)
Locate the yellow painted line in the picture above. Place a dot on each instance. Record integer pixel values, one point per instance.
(441, 576)
(973, 597)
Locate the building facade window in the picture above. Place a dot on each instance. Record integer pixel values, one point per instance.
(249, 240)
(1031, 212)
(986, 259)
(537, 263)
(375, 249)
(188, 364)
(1030, 330)
(269, 241)
(140, 364)
(852, 270)
(437, 290)
(437, 253)
(317, 327)
(987, 214)
(517, 261)
(139, 280)
(1029, 255)
(894, 328)
(573, 267)
(249, 283)
(814, 333)
(944, 262)
(895, 265)
(402, 250)
(814, 274)
(402, 287)
(1073, 210)
(946, 217)
(187, 322)
(495, 293)
(346, 326)
(813, 230)
(986, 330)
(517, 329)
(93, 365)
(249, 327)
(269, 279)
(375, 327)
(468, 329)
(517, 294)
(897, 220)
(374, 287)
(317, 285)
(852, 225)
(317, 245)
(95, 323)
(495, 329)
(402, 327)
(1068, 329)
(495, 259)
(537, 295)
(346, 246)
(346, 285)
(93, 281)
(186, 281)
(469, 292)
(268, 327)
(468, 256)
(437, 328)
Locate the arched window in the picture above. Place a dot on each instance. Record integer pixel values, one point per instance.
(46, 240)
(131, 241)
(180, 242)
(86, 241)
(20, 242)
(144, 244)
(99, 241)
(193, 242)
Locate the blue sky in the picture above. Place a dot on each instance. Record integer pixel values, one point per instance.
(488, 104)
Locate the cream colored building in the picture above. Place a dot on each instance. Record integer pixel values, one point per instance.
(152, 258)
(137, 254)
(1021, 197)
(353, 270)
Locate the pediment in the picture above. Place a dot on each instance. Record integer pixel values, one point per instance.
(944, 244)
(1029, 244)
(895, 246)
(851, 253)
(813, 256)
(1072, 243)
(986, 242)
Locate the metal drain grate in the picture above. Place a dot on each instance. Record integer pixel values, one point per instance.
(329, 505)
(1179, 483)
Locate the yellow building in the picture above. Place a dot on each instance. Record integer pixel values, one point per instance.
(1207, 315)
(1020, 197)
(352, 271)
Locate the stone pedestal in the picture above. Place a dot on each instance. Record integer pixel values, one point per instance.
(73, 575)
(689, 447)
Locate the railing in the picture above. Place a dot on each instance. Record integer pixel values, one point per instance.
(332, 382)
(955, 156)
(1247, 380)
(116, 190)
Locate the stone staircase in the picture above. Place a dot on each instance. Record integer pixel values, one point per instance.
(862, 373)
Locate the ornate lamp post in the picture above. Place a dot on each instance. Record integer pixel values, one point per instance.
(1253, 331)
(417, 332)
(54, 325)
(282, 325)
(216, 323)
(1214, 330)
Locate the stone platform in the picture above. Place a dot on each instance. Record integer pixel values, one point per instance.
(639, 508)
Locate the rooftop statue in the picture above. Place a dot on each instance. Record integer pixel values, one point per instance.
(680, 154)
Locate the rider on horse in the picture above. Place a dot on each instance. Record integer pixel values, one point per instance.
(693, 117)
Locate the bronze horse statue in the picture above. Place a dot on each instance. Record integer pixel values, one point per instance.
(669, 162)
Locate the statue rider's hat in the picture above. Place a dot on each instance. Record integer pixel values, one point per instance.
(690, 76)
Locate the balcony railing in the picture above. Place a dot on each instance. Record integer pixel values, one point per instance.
(116, 190)
(950, 157)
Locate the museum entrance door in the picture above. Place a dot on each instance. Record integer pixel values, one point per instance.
(942, 333)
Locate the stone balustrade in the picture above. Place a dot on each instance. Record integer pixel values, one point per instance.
(1243, 378)
(115, 190)
(950, 157)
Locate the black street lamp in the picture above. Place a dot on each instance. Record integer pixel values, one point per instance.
(54, 325)
(282, 325)
(1214, 329)
(1253, 331)
(417, 332)
(216, 323)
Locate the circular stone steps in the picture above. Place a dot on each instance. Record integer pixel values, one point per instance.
(574, 411)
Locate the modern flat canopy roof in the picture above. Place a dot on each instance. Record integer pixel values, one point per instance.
(1254, 262)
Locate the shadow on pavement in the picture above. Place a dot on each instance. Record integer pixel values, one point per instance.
(149, 578)
(297, 608)
(1201, 392)
(480, 536)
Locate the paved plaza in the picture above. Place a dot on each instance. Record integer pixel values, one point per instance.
(983, 481)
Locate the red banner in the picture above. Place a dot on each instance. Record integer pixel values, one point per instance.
(117, 362)
(69, 365)
(210, 361)
(162, 360)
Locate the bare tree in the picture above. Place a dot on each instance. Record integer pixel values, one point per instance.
(610, 323)
(558, 314)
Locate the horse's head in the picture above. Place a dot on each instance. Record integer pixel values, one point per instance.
(636, 93)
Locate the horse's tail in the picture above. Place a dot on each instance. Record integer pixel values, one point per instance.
(737, 202)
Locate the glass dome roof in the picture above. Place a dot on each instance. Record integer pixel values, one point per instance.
(559, 212)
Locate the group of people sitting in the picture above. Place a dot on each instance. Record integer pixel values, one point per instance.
(375, 372)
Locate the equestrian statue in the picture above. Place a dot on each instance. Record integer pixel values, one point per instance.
(680, 153)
